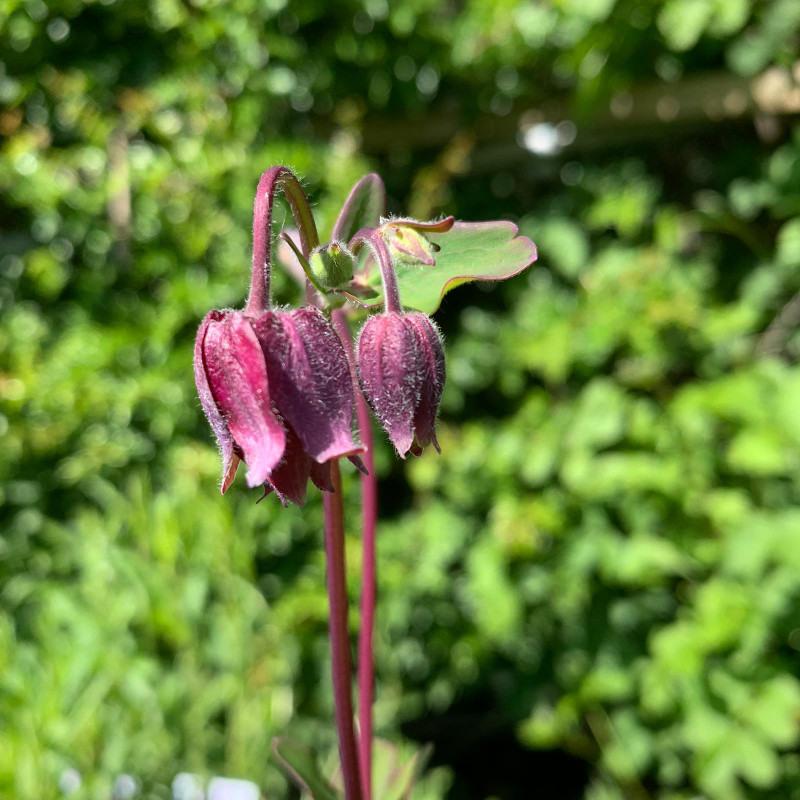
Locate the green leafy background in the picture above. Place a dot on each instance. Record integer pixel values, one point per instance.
(595, 591)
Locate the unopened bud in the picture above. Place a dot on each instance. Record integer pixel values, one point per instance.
(409, 246)
(333, 265)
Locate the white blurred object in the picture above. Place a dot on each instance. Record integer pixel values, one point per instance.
(186, 786)
(125, 787)
(547, 139)
(70, 781)
(232, 789)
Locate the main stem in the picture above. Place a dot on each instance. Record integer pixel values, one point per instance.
(369, 586)
(369, 598)
(340, 643)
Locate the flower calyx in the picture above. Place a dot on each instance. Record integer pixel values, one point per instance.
(333, 265)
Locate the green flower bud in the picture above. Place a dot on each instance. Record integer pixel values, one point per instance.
(332, 265)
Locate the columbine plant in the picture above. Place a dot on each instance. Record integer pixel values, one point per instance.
(281, 389)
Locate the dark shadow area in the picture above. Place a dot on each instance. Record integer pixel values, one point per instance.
(487, 760)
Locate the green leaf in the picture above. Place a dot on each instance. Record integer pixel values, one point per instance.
(394, 773)
(362, 209)
(300, 763)
(470, 251)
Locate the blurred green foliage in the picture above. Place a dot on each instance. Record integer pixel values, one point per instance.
(605, 561)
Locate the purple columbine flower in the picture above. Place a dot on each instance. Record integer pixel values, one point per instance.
(402, 373)
(232, 383)
(276, 385)
(277, 391)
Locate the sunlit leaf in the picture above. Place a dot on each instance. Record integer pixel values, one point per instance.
(469, 251)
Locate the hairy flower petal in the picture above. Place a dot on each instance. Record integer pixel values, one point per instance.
(229, 460)
(431, 354)
(310, 380)
(390, 375)
(236, 377)
(290, 478)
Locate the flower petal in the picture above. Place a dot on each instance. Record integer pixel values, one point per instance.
(391, 375)
(290, 478)
(229, 459)
(237, 379)
(310, 380)
(321, 476)
(431, 354)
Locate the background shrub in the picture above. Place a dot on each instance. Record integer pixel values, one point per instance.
(594, 591)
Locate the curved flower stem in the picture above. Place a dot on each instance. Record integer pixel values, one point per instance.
(372, 239)
(369, 585)
(340, 645)
(274, 179)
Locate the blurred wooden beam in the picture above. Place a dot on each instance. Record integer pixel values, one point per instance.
(646, 111)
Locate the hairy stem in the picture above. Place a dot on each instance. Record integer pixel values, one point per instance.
(372, 239)
(273, 180)
(369, 584)
(340, 643)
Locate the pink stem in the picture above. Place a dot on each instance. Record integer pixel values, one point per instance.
(372, 239)
(274, 179)
(369, 584)
(340, 644)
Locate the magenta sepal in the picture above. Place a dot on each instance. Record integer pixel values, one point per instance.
(401, 370)
(438, 226)
(309, 380)
(234, 391)
(230, 461)
(431, 353)
(290, 478)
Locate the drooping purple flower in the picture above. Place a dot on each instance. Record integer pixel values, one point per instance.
(277, 386)
(232, 383)
(277, 390)
(310, 380)
(401, 369)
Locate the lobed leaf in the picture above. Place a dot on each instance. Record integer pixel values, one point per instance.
(469, 251)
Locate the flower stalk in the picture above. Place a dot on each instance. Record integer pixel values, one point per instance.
(372, 239)
(369, 581)
(340, 644)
